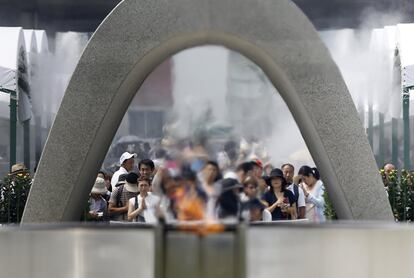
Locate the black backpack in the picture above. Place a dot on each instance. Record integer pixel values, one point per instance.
(296, 193)
(118, 197)
(118, 200)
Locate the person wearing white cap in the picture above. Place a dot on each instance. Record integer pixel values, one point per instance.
(127, 164)
(97, 204)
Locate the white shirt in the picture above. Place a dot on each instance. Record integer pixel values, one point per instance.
(301, 198)
(116, 175)
(151, 201)
(165, 203)
(315, 203)
(266, 216)
(243, 197)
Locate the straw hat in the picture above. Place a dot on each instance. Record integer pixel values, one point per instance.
(17, 168)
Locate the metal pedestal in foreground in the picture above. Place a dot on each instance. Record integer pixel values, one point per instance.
(119, 251)
(282, 250)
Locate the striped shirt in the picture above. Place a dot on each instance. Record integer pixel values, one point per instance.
(120, 201)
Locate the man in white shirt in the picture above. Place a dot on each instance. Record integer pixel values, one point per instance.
(118, 202)
(288, 173)
(127, 165)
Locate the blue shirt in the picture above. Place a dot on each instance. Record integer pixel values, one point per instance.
(97, 205)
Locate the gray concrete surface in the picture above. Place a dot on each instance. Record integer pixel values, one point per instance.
(121, 251)
(75, 252)
(139, 35)
(340, 251)
(324, 251)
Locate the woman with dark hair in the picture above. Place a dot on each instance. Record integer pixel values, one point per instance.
(228, 203)
(279, 200)
(313, 189)
(209, 176)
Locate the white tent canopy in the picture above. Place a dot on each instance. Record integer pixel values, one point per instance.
(31, 48)
(33, 45)
(12, 41)
(391, 35)
(405, 44)
(40, 93)
(25, 105)
(42, 42)
(30, 40)
(380, 69)
(7, 80)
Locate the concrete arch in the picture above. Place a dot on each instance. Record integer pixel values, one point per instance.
(139, 35)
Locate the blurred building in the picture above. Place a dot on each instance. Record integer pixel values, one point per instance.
(148, 110)
(249, 98)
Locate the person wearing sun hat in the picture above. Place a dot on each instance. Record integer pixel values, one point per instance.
(21, 173)
(97, 204)
(18, 168)
(14, 190)
(118, 203)
(279, 200)
(127, 165)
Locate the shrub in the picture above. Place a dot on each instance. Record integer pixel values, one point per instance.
(14, 191)
(401, 195)
(329, 211)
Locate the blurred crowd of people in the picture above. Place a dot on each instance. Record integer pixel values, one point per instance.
(188, 185)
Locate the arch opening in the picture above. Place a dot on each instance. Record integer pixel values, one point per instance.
(277, 78)
(199, 102)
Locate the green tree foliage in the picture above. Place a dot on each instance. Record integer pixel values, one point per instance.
(394, 193)
(400, 190)
(329, 211)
